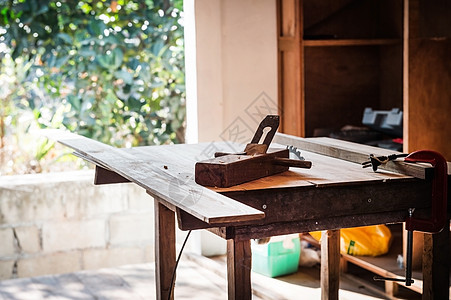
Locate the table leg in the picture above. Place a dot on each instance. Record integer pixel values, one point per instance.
(436, 265)
(330, 264)
(239, 260)
(164, 250)
(391, 288)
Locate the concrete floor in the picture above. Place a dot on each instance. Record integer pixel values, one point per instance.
(197, 278)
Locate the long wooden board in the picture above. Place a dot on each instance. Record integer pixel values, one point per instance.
(353, 152)
(162, 174)
(325, 171)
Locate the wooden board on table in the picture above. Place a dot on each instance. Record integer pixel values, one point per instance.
(353, 152)
(325, 171)
(166, 172)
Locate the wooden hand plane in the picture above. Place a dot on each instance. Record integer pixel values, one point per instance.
(256, 161)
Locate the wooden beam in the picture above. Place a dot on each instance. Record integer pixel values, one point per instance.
(336, 200)
(391, 288)
(330, 264)
(239, 269)
(104, 176)
(353, 152)
(163, 171)
(427, 76)
(290, 66)
(436, 265)
(261, 231)
(164, 250)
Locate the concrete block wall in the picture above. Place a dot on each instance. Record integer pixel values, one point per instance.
(60, 222)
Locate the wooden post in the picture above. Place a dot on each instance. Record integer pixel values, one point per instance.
(436, 265)
(391, 288)
(330, 264)
(164, 250)
(291, 67)
(239, 260)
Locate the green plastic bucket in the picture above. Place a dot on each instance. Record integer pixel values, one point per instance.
(276, 258)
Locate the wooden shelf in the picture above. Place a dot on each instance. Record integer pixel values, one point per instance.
(326, 82)
(350, 42)
(386, 265)
(337, 57)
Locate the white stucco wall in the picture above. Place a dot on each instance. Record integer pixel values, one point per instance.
(231, 63)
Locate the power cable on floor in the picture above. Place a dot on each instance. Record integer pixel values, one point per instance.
(176, 264)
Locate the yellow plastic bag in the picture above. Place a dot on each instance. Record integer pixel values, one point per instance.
(368, 240)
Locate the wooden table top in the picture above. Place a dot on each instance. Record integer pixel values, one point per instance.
(167, 172)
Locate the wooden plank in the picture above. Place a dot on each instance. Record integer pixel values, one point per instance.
(324, 171)
(353, 152)
(391, 288)
(429, 104)
(427, 77)
(159, 170)
(239, 269)
(287, 43)
(319, 200)
(350, 42)
(290, 54)
(267, 230)
(328, 170)
(104, 176)
(291, 178)
(291, 204)
(436, 265)
(288, 26)
(407, 30)
(330, 264)
(164, 251)
(186, 221)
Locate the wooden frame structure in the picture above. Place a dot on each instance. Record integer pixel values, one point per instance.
(338, 57)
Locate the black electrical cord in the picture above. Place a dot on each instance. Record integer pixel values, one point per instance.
(176, 264)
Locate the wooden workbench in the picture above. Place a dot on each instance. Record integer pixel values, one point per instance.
(335, 193)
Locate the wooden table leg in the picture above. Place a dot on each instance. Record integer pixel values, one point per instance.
(391, 288)
(330, 264)
(436, 265)
(239, 258)
(164, 250)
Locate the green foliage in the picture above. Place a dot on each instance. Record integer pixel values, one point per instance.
(112, 70)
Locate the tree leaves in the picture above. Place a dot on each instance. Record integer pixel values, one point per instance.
(65, 38)
(117, 65)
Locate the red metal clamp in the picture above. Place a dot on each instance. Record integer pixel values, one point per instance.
(438, 218)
